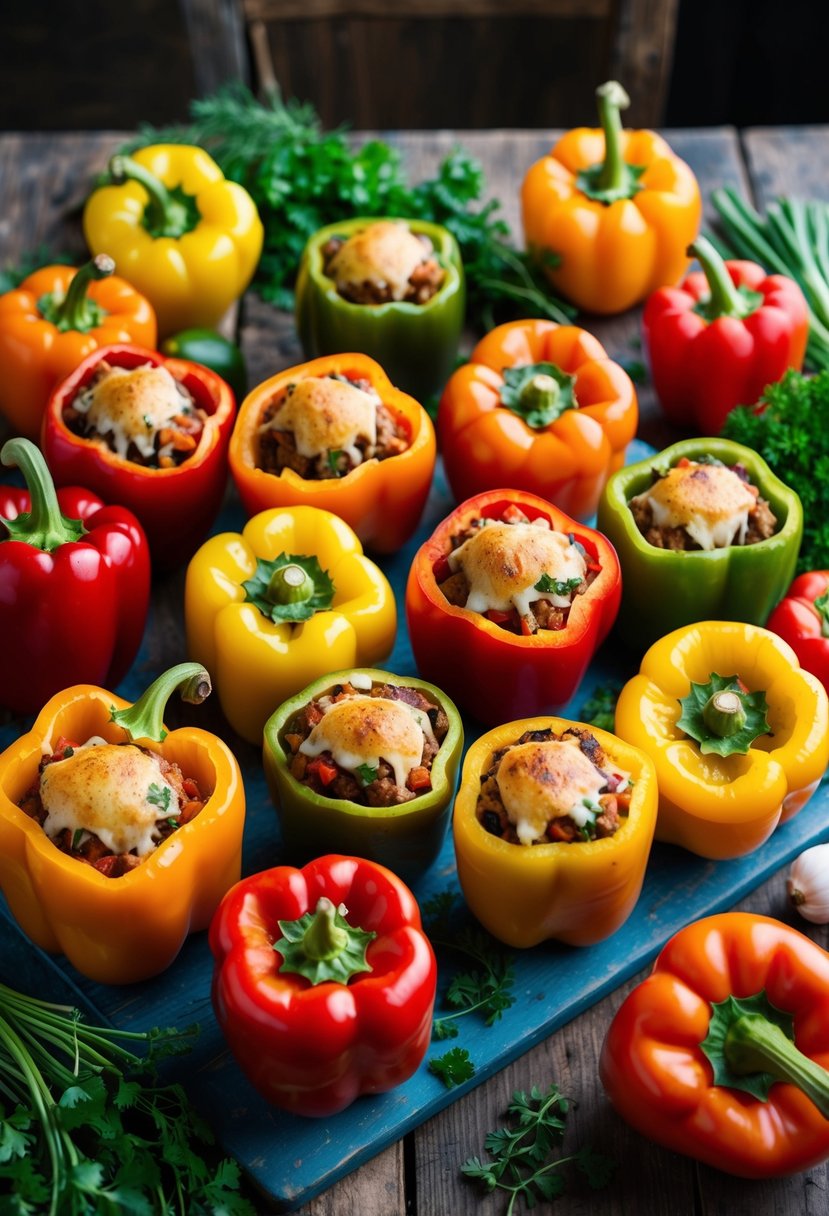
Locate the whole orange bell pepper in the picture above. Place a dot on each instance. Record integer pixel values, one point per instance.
(540, 406)
(382, 500)
(52, 321)
(610, 213)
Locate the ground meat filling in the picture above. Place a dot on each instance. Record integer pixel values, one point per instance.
(375, 787)
(424, 282)
(612, 805)
(86, 846)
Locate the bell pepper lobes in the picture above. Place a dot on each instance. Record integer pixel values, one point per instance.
(287, 601)
(176, 506)
(121, 930)
(52, 322)
(609, 213)
(698, 707)
(663, 588)
(490, 672)
(382, 500)
(74, 585)
(407, 838)
(417, 344)
(182, 234)
(324, 982)
(577, 892)
(538, 405)
(802, 620)
(722, 1052)
(719, 338)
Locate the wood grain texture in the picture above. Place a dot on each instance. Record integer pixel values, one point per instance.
(641, 56)
(314, 10)
(787, 160)
(216, 36)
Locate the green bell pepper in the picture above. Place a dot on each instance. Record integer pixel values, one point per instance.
(213, 350)
(663, 589)
(415, 344)
(406, 838)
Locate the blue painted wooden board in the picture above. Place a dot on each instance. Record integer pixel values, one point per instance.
(290, 1158)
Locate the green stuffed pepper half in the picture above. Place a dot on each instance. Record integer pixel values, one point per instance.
(365, 763)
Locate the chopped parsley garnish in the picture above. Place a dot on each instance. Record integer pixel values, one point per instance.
(159, 797)
(367, 774)
(453, 1067)
(557, 586)
(77, 837)
(334, 460)
(148, 422)
(67, 752)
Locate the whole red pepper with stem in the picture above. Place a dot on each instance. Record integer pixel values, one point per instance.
(802, 619)
(719, 338)
(74, 586)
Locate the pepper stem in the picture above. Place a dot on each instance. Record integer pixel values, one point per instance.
(290, 585)
(323, 939)
(144, 719)
(724, 299)
(44, 526)
(724, 714)
(753, 1044)
(540, 393)
(76, 311)
(822, 609)
(168, 212)
(612, 98)
(322, 946)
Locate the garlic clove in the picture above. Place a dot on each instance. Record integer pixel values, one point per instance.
(808, 884)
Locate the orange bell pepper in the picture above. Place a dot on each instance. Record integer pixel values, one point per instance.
(540, 406)
(52, 321)
(610, 213)
(381, 500)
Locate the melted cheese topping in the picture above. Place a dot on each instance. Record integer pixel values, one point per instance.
(385, 253)
(710, 502)
(132, 406)
(327, 415)
(503, 562)
(363, 730)
(103, 789)
(543, 781)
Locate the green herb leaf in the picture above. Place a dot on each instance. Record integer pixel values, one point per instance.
(635, 368)
(367, 774)
(557, 586)
(272, 598)
(538, 393)
(693, 722)
(334, 457)
(453, 1067)
(600, 707)
(77, 837)
(159, 796)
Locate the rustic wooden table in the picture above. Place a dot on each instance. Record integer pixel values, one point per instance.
(43, 182)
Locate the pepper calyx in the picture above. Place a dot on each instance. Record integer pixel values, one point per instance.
(725, 725)
(170, 211)
(289, 589)
(74, 310)
(725, 298)
(613, 178)
(43, 527)
(322, 946)
(821, 605)
(538, 393)
(144, 718)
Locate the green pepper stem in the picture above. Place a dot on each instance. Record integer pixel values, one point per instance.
(822, 609)
(165, 215)
(44, 526)
(290, 585)
(724, 714)
(612, 98)
(724, 298)
(76, 311)
(323, 940)
(540, 393)
(754, 1044)
(144, 719)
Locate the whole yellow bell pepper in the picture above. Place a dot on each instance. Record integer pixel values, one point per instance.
(722, 792)
(287, 601)
(577, 892)
(179, 232)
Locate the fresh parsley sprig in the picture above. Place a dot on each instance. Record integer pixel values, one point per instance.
(453, 1067)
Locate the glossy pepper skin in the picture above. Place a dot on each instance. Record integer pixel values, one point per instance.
(577, 893)
(183, 235)
(405, 838)
(74, 585)
(719, 338)
(119, 930)
(46, 330)
(660, 1081)
(802, 619)
(382, 500)
(662, 588)
(726, 806)
(416, 343)
(259, 662)
(487, 444)
(175, 506)
(616, 209)
(490, 672)
(313, 1048)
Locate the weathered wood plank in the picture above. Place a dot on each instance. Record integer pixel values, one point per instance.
(787, 160)
(316, 10)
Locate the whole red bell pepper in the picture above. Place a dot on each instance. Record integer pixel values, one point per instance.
(324, 982)
(74, 586)
(802, 619)
(175, 506)
(719, 338)
(722, 1053)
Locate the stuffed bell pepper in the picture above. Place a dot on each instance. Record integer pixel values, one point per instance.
(539, 406)
(324, 982)
(802, 619)
(366, 762)
(117, 839)
(150, 433)
(507, 602)
(334, 433)
(393, 289)
(738, 732)
(553, 826)
(287, 601)
(704, 531)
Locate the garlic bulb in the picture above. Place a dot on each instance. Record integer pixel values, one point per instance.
(808, 884)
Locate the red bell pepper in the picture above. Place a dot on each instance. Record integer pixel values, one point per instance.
(802, 619)
(74, 586)
(324, 982)
(719, 338)
(493, 673)
(176, 506)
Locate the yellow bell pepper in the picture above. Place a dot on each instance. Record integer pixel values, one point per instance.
(577, 892)
(287, 601)
(179, 232)
(725, 805)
